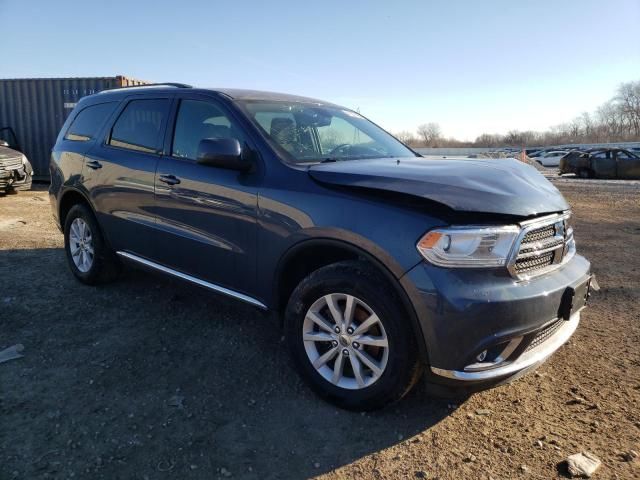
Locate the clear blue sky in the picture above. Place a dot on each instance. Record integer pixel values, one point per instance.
(472, 66)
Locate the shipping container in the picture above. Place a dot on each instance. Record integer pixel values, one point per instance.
(32, 111)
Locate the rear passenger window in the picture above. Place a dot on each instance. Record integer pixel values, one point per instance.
(87, 123)
(139, 126)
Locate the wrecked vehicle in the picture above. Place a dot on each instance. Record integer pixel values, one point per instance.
(15, 170)
(602, 163)
(384, 264)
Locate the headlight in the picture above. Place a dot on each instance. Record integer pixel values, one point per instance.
(469, 247)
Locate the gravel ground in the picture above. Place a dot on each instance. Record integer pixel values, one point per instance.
(148, 378)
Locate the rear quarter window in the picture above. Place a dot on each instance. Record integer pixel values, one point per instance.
(89, 121)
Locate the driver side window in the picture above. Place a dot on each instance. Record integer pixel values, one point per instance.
(341, 132)
(198, 120)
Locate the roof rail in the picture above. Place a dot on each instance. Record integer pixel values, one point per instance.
(163, 84)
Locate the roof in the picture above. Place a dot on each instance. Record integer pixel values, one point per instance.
(241, 94)
(114, 77)
(232, 93)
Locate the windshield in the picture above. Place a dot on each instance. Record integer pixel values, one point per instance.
(307, 132)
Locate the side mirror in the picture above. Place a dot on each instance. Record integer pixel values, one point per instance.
(3, 143)
(222, 153)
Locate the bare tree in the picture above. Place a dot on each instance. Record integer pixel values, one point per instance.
(617, 120)
(429, 133)
(406, 137)
(628, 99)
(588, 129)
(489, 140)
(609, 121)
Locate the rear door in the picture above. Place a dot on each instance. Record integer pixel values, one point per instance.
(119, 172)
(80, 133)
(628, 165)
(603, 164)
(206, 216)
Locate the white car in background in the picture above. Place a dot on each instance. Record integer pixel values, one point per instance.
(551, 159)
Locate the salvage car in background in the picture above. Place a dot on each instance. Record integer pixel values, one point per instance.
(15, 170)
(602, 163)
(551, 159)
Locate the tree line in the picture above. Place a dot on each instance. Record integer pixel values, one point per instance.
(617, 120)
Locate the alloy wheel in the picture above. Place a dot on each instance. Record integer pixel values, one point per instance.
(81, 245)
(345, 341)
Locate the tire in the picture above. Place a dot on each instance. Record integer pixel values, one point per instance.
(396, 371)
(102, 266)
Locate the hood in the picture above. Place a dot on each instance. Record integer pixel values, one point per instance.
(6, 153)
(501, 186)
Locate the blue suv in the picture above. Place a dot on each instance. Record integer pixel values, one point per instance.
(383, 264)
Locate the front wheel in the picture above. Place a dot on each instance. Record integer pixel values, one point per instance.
(350, 337)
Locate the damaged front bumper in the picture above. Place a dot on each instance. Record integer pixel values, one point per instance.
(482, 328)
(16, 179)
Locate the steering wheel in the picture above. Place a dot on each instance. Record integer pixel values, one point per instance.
(335, 149)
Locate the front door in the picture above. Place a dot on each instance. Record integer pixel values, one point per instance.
(206, 216)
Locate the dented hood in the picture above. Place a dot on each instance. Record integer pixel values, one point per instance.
(502, 186)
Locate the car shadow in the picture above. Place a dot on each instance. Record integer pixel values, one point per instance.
(153, 377)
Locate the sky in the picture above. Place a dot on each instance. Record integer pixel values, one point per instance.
(471, 66)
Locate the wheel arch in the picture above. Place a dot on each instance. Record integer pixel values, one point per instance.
(68, 199)
(308, 255)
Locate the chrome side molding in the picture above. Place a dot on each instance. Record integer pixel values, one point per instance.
(189, 278)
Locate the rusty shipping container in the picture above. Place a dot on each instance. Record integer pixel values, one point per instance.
(32, 111)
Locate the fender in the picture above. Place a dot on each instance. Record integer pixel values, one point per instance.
(74, 189)
(380, 259)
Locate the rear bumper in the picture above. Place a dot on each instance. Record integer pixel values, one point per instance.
(464, 312)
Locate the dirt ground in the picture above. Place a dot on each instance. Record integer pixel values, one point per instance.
(148, 378)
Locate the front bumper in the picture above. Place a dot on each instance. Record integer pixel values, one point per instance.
(525, 361)
(464, 312)
(18, 179)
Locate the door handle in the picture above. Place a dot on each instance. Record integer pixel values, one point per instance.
(169, 179)
(94, 164)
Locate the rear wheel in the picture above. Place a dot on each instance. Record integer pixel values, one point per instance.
(88, 256)
(350, 337)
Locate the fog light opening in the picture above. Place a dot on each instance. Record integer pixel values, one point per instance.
(495, 355)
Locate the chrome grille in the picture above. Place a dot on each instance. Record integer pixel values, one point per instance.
(524, 265)
(544, 244)
(10, 163)
(539, 234)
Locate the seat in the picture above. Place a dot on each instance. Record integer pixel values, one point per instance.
(283, 132)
